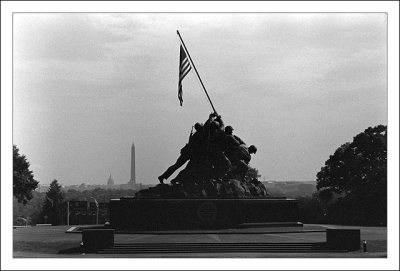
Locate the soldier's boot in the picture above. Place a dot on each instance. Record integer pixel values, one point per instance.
(161, 178)
(167, 174)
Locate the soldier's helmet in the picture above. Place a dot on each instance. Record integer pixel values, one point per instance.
(228, 129)
(198, 126)
(252, 149)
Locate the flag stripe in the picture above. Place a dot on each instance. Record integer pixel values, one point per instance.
(185, 67)
(184, 72)
(185, 62)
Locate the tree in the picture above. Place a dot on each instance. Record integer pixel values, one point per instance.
(310, 210)
(353, 181)
(52, 204)
(23, 182)
(32, 211)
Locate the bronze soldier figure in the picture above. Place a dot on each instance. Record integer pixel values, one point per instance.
(240, 157)
(219, 142)
(190, 150)
(229, 132)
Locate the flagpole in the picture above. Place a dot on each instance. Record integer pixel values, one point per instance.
(184, 46)
(68, 213)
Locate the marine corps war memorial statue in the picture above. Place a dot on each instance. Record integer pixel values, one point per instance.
(217, 188)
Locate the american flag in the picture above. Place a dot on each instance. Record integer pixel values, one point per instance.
(184, 68)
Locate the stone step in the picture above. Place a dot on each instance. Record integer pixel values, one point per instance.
(221, 245)
(217, 247)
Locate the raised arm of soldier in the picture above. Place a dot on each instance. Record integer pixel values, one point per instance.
(220, 122)
(210, 119)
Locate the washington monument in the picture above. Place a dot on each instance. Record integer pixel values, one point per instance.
(133, 177)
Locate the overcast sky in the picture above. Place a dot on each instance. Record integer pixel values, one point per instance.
(296, 85)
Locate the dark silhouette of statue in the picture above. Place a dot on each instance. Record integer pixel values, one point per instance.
(217, 164)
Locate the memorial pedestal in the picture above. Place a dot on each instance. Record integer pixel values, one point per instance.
(97, 239)
(349, 239)
(157, 214)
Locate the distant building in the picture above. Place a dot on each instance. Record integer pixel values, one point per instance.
(132, 184)
(110, 181)
(111, 184)
(132, 181)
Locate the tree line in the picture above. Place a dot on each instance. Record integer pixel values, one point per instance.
(45, 207)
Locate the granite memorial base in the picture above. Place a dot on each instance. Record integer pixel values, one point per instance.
(160, 214)
(348, 239)
(97, 239)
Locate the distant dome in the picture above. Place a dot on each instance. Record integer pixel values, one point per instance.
(110, 181)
